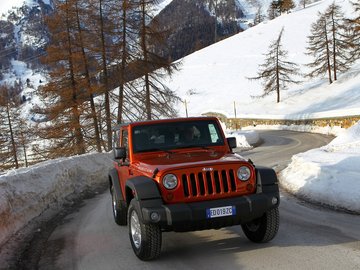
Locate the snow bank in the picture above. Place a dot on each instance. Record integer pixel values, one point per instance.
(245, 139)
(26, 193)
(330, 174)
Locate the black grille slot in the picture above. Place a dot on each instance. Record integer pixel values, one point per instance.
(185, 185)
(232, 180)
(224, 181)
(193, 184)
(208, 183)
(201, 184)
(217, 182)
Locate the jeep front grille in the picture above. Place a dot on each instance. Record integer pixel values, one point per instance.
(208, 183)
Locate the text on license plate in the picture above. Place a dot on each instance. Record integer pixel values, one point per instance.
(221, 212)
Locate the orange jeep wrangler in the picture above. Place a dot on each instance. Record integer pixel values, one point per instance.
(181, 175)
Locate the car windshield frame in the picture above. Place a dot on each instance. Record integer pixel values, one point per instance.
(177, 135)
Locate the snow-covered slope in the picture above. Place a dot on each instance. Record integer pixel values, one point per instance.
(219, 72)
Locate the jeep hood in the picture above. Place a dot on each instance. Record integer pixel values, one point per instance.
(165, 161)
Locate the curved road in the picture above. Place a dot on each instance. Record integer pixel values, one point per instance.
(309, 237)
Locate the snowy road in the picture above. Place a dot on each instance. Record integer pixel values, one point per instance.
(309, 237)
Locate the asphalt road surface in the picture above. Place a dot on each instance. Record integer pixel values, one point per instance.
(309, 237)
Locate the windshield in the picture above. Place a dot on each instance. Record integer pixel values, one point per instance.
(176, 135)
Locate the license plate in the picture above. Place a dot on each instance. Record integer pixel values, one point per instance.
(221, 211)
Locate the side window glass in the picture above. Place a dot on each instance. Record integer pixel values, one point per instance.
(125, 141)
(213, 134)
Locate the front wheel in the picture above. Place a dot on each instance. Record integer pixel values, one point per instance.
(263, 229)
(145, 238)
(119, 209)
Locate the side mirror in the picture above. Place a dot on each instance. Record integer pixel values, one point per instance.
(231, 142)
(120, 153)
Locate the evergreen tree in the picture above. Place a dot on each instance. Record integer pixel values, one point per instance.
(276, 71)
(319, 48)
(159, 99)
(65, 94)
(328, 44)
(353, 26)
(274, 9)
(286, 5)
(303, 3)
(259, 17)
(102, 20)
(128, 37)
(338, 36)
(84, 42)
(9, 115)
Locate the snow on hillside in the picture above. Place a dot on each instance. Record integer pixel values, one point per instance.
(162, 4)
(220, 72)
(6, 5)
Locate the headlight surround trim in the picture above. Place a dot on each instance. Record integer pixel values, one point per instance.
(243, 173)
(170, 181)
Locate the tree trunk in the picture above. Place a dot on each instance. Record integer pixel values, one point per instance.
(148, 101)
(88, 82)
(328, 54)
(277, 72)
(106, 81)
(334, 45)
(79, 138)
(145, 56)
(13, 150)
(123, 62)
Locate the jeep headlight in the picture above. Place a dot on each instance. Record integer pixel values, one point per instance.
(170, 181)
(243, 173)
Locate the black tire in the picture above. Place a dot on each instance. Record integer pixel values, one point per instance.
(263, 229)
(119, 209)
(145, 238)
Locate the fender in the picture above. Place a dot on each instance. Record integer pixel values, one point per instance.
(146, 193)
(266, 179)
(114, 181)
(144, 188)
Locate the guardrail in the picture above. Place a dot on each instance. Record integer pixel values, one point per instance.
(240, 122)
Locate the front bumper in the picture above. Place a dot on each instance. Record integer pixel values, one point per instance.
(192, 216)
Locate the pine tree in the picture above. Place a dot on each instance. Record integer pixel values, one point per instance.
(319, 48)
(258, 16)
(286, 5)
(159, 99)
(102, 26)
(129, 26)
(274, 10)
(303, 3)
(84, 42)
(328, 44)
(9, 153)
(353, 26)
(276, 71)
(340, 46)
(65, 94)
